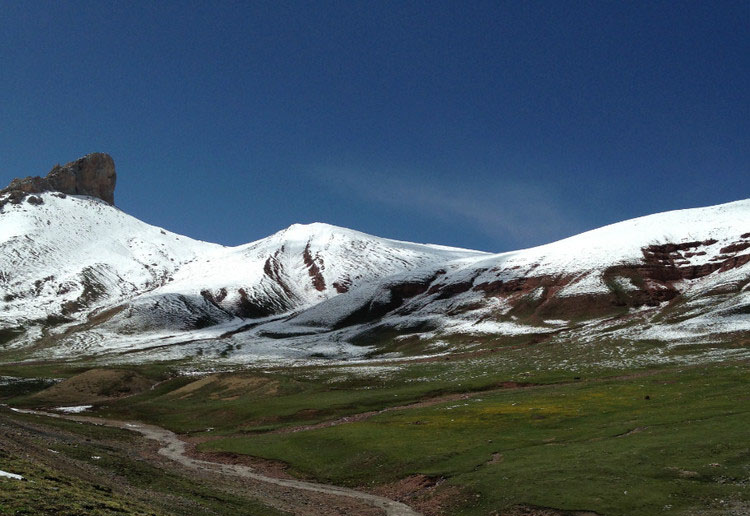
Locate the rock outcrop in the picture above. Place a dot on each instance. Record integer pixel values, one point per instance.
(93, 175)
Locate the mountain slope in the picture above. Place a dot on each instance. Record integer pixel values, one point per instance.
(70, 265)
(690, 267)
(69, 255)
(79, 277)
(301, 266)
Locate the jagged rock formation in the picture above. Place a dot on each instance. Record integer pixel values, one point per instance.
(93, 175)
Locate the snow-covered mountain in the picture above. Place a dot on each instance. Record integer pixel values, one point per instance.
(69, 256)
(676, 276)
(76, 271)
(79, 277)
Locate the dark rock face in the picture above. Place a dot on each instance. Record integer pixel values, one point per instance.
(93, 175)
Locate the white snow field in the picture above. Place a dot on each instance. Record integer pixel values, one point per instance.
(79, 277)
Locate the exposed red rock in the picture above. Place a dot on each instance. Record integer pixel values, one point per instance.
(214, 298)
(342, 286)
(735, 261)
(251, 308)
(654, 279)
(734, 248)
(314, 269)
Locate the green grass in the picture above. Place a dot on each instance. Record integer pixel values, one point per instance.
(48, 490)
(583, 437)
(23, 388)
(306, 395)
(317, 393)
(564, 446)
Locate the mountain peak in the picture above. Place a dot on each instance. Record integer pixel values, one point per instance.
(311, 230)
(93, 175)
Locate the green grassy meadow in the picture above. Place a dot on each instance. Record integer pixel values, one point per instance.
(497, 430)
(597, 445)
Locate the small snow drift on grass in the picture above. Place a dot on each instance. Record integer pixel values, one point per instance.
(73, 410)
(5, 474)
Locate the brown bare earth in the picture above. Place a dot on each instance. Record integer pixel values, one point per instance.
(429, 495)
(229, 387)
(529, 510)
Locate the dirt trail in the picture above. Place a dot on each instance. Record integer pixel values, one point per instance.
(175, 449)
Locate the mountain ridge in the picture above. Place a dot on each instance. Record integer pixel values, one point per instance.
(78, 276)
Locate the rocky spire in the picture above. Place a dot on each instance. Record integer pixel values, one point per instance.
(93, 174)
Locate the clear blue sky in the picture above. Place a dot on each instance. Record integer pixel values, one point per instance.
(491, 125)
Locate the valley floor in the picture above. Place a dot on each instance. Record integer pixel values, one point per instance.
(474, 435)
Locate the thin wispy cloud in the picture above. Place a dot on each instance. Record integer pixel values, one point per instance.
(511, 214)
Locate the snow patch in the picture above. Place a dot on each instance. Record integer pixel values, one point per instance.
(77, 409)
(5, 474)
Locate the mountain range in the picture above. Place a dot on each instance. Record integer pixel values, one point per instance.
(80, 278)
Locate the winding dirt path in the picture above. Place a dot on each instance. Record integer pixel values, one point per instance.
(175, 449)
